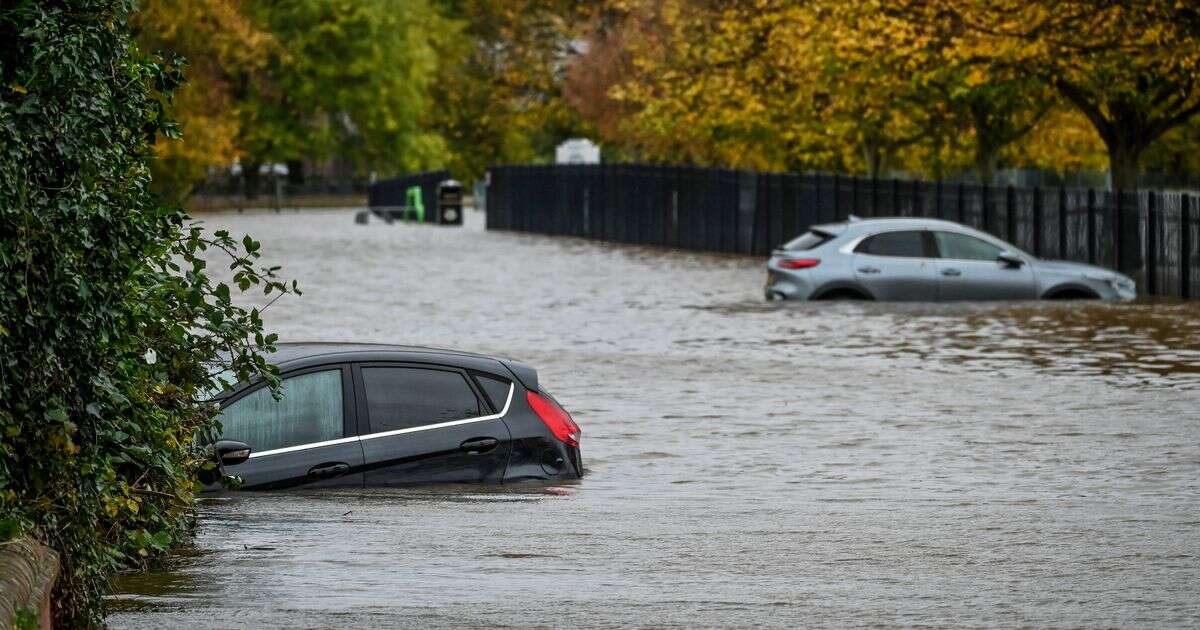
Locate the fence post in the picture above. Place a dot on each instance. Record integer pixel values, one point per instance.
(895, 197)
(1129, 239)
(937, 200)
(1185, 246)
(916, 208)
(1153, 207)
(837, 204)
(1010, 213)
(962, 202)
(1091, 226)
(855, 183)
(747, 206)
(1062, 223)
(985, 208)
(874, 195)
(1037, 221)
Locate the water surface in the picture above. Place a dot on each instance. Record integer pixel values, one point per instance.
(749, 464)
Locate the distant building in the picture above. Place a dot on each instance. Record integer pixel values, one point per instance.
(577, 151)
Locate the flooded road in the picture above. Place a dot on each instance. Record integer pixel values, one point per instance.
(749, 464)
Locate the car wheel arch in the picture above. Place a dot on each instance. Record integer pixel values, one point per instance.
(841, 290)
(1070, 291)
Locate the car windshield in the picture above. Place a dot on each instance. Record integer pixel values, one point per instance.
(808, 240)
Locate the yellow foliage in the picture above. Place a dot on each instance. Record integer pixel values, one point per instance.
(929, 86)
(222, 47)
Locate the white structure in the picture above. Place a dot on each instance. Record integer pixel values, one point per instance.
(577, 151)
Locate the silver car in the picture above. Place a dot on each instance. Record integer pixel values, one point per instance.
(926, 260)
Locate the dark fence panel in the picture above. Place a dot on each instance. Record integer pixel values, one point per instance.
(1152, 236)
(390, 193)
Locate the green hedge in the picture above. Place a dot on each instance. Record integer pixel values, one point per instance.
(110, 328)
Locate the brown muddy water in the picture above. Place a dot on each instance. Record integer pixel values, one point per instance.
(749, 464)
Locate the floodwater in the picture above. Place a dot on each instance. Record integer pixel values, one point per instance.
(749, 464)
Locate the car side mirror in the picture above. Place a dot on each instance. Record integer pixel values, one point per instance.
(1009, 259)
(231, 453)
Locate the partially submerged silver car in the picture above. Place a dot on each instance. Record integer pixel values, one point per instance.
(905, 259)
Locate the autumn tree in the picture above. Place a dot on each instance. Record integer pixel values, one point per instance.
(220, 47)
(499, 93)
(1131, 67)
(825, 84)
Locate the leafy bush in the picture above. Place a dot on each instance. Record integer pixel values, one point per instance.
(110, 329)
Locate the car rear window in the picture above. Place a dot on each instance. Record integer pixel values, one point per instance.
(404, 397)
(909, 244)
(809, 240)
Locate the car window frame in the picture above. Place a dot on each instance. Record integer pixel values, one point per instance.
(1000, 246)
(928, 244)
(349, 419)
(363, 413)
(496, 405)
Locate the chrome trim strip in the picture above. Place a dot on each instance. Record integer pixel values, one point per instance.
(301, 447)
(503, 412)
(358, 438)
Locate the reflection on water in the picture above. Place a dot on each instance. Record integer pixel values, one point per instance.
(749, 463)
(1153, 344)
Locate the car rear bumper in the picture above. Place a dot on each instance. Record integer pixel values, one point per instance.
(787, 284)
(543, 458)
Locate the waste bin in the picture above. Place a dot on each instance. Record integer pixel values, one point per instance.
(449, 202)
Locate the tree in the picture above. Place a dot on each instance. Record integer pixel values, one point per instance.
(221, 45)
(500, 93)
(348, 80)
(1131, 67)
(111, 331)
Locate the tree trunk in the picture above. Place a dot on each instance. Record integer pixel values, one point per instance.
(873, 157)
(251, 178)
(987, 140)
(985, 164)
(1123, 159)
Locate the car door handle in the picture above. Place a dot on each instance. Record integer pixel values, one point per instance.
(951, 272)
(327, 471)
(478, 446)
(868, 270)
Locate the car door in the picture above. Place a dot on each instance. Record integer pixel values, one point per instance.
(897, 266)
(970, 269)
(307, 437)
(423, 423)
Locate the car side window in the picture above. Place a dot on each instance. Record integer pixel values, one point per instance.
(310, 411)
(962, 247)
(908, 244)
(495, 388)
(407, 397)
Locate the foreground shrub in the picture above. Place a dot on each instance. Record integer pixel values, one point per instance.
(110, 329)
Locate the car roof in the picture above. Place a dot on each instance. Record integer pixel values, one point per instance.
(295, 356)
(290, 352)
(891, 223)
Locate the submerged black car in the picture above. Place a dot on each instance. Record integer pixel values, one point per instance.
(359, 414)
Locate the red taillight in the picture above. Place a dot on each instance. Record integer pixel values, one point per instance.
(555, 417)
(799, 263)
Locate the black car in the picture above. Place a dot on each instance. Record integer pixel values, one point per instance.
(360, 414)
